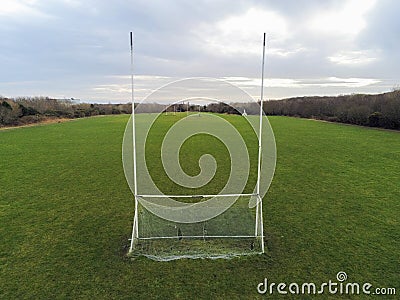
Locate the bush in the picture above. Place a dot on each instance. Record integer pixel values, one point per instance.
(375, 119)
(31, 119)
(27, 111)
(7, 115)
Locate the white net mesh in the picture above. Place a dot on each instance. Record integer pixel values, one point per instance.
(229, 234)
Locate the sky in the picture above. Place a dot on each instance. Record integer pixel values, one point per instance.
(80, 49)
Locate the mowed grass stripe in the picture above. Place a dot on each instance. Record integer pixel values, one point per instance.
(66, 211)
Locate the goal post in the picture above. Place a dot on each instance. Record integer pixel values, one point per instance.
(135, 233)
(259, 211)
(197, 222)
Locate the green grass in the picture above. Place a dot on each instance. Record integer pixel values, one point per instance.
(66, 213)
(193, 149)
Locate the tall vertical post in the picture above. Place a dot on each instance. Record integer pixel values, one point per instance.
(261, 120)
(135, 231)
(259, 219)
(261, 228)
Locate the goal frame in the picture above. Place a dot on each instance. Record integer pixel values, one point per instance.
(259, 228)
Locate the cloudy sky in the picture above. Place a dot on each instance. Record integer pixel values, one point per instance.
(80, 48)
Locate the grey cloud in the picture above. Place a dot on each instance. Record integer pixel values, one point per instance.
(77, 46)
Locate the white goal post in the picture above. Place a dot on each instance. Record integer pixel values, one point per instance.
(258, 229)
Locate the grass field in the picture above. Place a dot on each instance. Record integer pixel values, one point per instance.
(66, 213)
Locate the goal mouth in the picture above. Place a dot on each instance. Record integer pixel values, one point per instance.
(233, 233)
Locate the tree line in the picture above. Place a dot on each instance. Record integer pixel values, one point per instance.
(26, 110)
(382, 110)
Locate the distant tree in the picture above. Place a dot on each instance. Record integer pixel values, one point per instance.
(6, 115)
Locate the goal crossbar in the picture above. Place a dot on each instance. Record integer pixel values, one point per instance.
(195, 237)
(196, 196)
